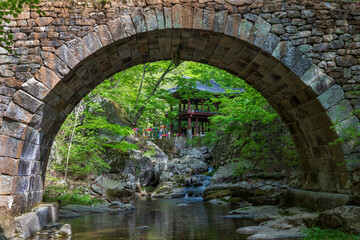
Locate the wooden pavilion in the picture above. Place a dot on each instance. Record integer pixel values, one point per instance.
(194, 112)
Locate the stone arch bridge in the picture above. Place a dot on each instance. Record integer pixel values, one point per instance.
(302, 56)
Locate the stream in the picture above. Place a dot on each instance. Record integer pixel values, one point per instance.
(184, 218)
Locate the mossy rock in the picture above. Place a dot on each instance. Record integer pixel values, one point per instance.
(217, 194)
(119, 195)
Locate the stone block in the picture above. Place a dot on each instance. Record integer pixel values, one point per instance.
(63, 90)
(13, 128)
(322, 83)
(292, 57)
(332, 96)
(176, 13)
(281, 49)
(208, 20)
(139, 21)
(246, 27)
(7, 184)
(27, 224)
(56, 65)
(12, 204)
(348, 128)
(303, 64)
(6, 91)
(232, 25)
(67, 56)
(26, 101)
(271, 43)
(47, 77)
(85, 76)
(343, 110)
(56, 101)
(311, 74)
(220, 21)
(22, 184)
(44, 21)
(260, 32)
(187, 17)
(9, 166)
(92, 42)
(76, 85)
(160, 18)
(17, 113)
(104, 34)
(116, 29)
(168, 17)
(30, 152)
(345, 61)
(35, 88)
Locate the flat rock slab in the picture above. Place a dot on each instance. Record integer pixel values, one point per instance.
(260, 214)
(265, 233)
(73, 211)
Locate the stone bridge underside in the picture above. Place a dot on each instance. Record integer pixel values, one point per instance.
(304, 58)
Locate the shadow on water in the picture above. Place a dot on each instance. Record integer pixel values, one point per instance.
(186, 218)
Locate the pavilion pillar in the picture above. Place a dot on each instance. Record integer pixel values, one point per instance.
(172, 123)
(197, 126)
(189, 132)
(179, 127)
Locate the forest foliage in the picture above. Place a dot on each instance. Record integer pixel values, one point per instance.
(141, 91)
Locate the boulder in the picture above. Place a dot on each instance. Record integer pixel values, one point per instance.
(259, 214)
(265, 233)
(116, 187)
(74, 210)
(193, 153)
(257, 191)
(169, 190)
(225, 174)
(345, 217)
(65, 230)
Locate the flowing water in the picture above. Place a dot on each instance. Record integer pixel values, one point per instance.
(185, 219)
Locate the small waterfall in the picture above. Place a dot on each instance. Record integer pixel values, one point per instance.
(196, 185)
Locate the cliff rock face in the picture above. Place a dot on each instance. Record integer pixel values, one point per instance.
(132, 170)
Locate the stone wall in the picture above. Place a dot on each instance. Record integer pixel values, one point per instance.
(303, 57)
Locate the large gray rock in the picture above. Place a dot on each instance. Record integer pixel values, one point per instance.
(224, 174)
(74, 210)
(259, 214)
(259, 191)
(345, 217)
(116, 187)
(265, 233)
(193, 153)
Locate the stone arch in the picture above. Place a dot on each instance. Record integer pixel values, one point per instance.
(305, 97)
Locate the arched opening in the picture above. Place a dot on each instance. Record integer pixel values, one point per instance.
(298, 90)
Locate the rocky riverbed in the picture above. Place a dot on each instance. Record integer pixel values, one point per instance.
(257, 204)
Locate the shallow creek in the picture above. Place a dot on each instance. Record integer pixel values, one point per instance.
(185, 218)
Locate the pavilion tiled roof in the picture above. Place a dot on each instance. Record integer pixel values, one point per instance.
(211, 86)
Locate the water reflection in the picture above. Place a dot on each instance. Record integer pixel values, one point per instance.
(161, 219)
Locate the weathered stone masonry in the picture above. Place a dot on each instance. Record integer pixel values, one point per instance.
(303, 57)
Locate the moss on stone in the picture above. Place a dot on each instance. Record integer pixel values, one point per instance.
(217, 194)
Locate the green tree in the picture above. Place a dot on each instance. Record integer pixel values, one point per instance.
(11, 9)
